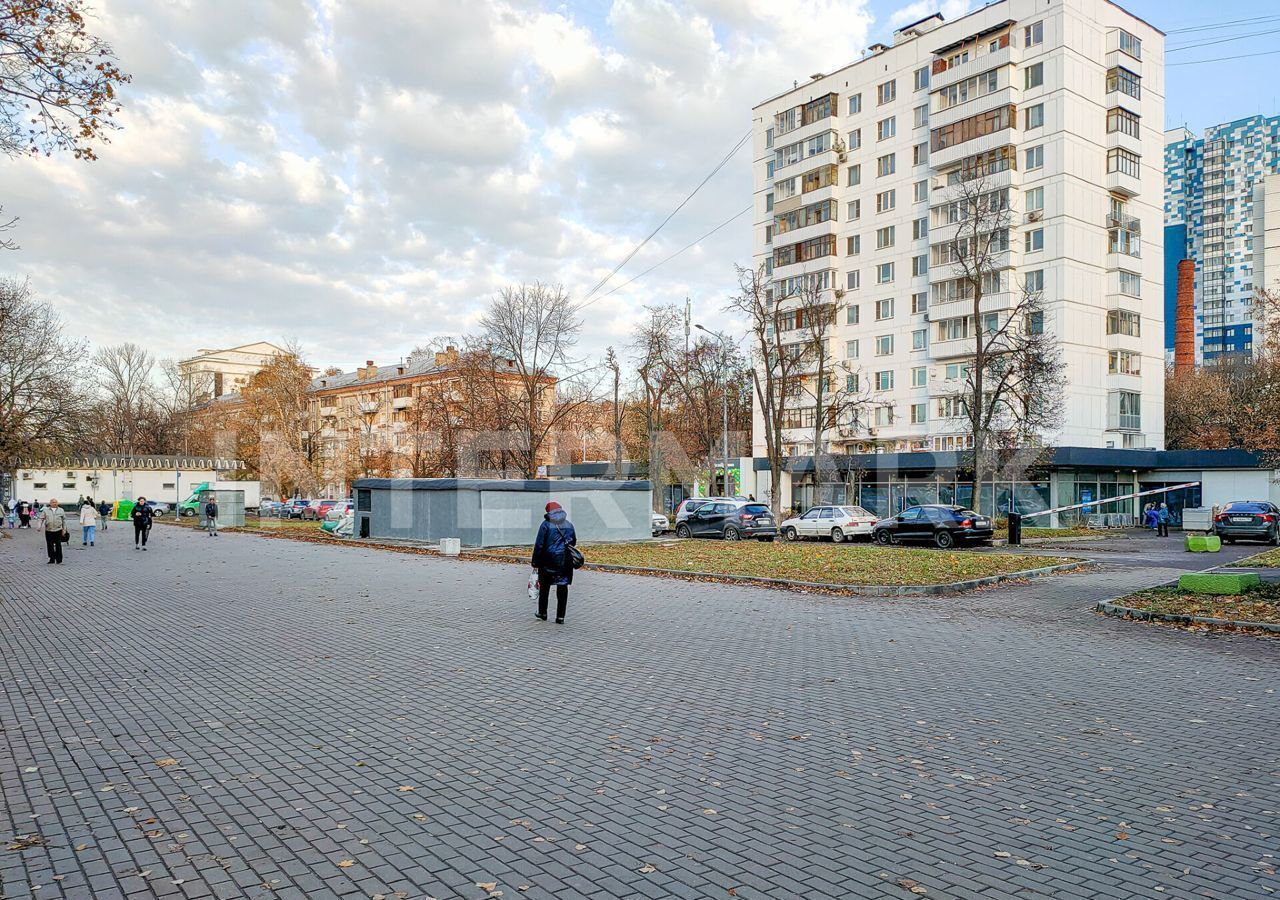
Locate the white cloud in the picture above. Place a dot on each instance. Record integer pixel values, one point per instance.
(362, 175)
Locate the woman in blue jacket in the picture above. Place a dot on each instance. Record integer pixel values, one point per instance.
(552, 560)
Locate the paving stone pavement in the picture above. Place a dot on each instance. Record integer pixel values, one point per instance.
(237, 717)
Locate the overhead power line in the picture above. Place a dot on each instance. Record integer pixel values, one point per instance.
(720, 165)
(690, 245)
(1226, 40)
(1219, 25)
(1196, 62)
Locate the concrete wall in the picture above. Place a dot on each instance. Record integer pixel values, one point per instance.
(112, 485)
(491, 513)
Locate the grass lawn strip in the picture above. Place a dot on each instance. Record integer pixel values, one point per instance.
(811, 563)
(1260, 603)
(1269, 559)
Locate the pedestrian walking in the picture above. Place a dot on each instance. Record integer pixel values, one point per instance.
(53, 522)
(12, 515)
(24, 514)
(88, 522)
(141, 516)
(104, 515)
(1162, 521)
(1151, 516)
(555, 556)
(211, 516)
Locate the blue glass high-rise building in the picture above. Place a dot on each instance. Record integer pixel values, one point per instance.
(1216, 191)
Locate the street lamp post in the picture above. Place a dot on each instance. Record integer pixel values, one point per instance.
(725, 344)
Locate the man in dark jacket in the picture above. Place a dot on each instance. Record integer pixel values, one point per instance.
(552, 559)
(211, 516)
(141, 516)
(104, 514)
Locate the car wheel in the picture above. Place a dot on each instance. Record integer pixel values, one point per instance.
(732, 534)
(944, 540)
(1275, 537)
(790, 534)
(682, 531)
(837, 535)
(884, 537)
(188, 513)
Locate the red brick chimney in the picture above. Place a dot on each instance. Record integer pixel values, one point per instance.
(1184, 334)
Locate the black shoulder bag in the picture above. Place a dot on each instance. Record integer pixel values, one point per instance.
(576, 559)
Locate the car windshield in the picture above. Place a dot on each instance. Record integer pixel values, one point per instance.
(1246, 507)
(756, 509)
(965, 513)
(855, 511)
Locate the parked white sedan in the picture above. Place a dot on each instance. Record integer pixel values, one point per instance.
(839, 523)
(660, 524)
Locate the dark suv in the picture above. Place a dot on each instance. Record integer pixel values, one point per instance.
(730, 519)
(1249, 520)
(942, 526)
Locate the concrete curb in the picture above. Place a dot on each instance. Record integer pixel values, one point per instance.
(863, 590)
(1111, 608)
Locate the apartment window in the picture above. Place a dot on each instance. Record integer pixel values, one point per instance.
(884, 345)
(1123, 161)
(1121, 321)
(1121, 79)
(920, 116)
(918, 413)
(886, 200)
(1124, 410)
(884, 237)
(768, 138)
(920, 228)
(921, 78)
(884, 273)
(1123, 121)
(886, 128)
(1033, 76)
(853, 176)
(884, 380)
(886, 93)
(919, 377)
(886, 165)
(1130, 44)
(919, 303)
(853, 280)
(920, 154)
(768, 202)
(884, 414)
(1034, 116)
(855, 104)
(1035, 323)
(970, 89)
(768, 234)
(1033, 283)
(1124, 362)
(851, 385)
(1131, 284)
(1034, 200)
(884, 308)
(1035, 157)
(920, 339)
(976, 126)
(1034, 240)
(851, 349)
(824, 176)
(920, 191)
(768, 266)
(853, 245)
(853, 210)
(1033, 34)
(920, 265)
(855, 139)
(851, 316)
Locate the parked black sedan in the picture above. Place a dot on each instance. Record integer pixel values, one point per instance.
(732, 520)
(942, 526)
(1248, 520)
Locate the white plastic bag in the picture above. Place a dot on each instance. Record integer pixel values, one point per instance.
(533, 585)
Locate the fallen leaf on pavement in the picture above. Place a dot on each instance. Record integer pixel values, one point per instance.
(647, 868)
(914, 887)
(346, 863)
(166, 762)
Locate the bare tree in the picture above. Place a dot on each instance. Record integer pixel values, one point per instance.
(1011, 394)
(529, 332)
(43, 378)
(130, 402)
(273, 417)
(652, 345)
(618, 409)
(776, 371)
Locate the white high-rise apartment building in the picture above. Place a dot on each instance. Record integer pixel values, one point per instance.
(1061, 102)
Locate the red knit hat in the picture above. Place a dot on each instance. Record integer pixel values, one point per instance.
(552, 505)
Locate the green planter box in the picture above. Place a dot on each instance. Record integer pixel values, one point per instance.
(1226, 585)
(1204, 543)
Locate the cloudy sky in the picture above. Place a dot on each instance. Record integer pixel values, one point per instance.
(361, 175)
